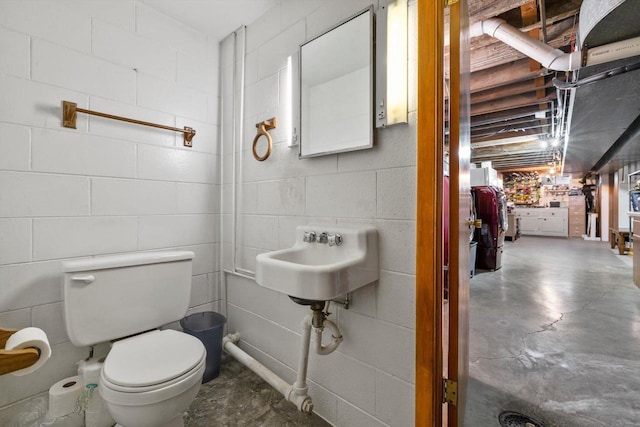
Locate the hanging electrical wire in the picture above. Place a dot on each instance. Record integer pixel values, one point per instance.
(566, 85)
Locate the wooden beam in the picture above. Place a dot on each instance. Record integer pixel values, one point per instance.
(514, 131)
(510, 103)
(564, 15)
(504, 115)
(508, 90)
(525, 162)
(529, 13)
(503, 74)
(530, 148)
(497, 138)
(507, 158)
(483, 9)
(525, 122)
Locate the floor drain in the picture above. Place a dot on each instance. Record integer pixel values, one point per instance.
(514, 419)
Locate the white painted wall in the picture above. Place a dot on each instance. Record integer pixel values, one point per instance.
(369, 380)
(107, 187)
(623, 199)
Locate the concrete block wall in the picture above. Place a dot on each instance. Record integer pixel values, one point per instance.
(107, 187)
(369, 380)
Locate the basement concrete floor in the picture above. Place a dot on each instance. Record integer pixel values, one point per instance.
(238, 397)
(555, 335)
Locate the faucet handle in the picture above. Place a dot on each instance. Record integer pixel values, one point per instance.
(334, 239)
(309, 236)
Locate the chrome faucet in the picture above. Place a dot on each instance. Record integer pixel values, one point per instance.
(334, 239)
(324, 238)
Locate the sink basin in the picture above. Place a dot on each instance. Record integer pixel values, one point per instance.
(319, 271)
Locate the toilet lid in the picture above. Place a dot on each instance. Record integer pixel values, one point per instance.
(152, 358)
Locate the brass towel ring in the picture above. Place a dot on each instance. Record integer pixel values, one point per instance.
(263, 128)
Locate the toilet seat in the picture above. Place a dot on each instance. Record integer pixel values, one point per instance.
(151, 367)
(152, 358)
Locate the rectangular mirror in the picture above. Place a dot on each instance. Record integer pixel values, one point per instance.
(336, 88)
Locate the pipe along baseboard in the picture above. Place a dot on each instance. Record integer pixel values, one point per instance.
(303, 403)
(295, 393)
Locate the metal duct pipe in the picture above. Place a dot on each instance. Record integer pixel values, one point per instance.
(629, 135)
(594, 11)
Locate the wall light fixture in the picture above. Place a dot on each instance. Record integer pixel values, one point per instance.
(391, 64)
(291, 99)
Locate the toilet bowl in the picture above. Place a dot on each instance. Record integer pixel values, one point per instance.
(150, 376)
(149, 380)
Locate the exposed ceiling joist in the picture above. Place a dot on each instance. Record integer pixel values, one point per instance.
(503, 74)
(513, 99)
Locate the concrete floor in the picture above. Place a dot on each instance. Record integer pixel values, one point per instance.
(555, 334)
(238, 397)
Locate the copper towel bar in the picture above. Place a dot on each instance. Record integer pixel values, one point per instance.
(70, 110)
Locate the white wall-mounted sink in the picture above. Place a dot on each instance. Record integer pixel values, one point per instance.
(320, 271)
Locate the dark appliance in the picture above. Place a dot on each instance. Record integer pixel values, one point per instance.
(634, 198)
(491, 208)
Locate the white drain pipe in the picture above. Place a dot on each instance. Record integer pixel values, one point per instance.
(296, 393)
(552, 58)
(336, 338)
(302, 402)
(300, 386)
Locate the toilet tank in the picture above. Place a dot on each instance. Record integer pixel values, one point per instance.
(116, 296)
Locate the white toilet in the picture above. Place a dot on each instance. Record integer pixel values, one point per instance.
(150, 376)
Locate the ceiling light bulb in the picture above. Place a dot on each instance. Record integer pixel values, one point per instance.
(554, 142)
(552, 170)
(543, 144)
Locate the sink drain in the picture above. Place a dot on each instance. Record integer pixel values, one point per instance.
(514, 419)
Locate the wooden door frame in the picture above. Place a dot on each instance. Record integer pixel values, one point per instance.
(459, 217)
(429, 410)
(429, 228)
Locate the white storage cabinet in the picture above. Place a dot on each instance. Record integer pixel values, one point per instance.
(543, 221)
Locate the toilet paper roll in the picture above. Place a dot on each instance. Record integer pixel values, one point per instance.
(96, 413)
(89, 370)
(63, 396)
(30, 337)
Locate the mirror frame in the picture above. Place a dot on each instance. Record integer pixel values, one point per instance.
(371, 45)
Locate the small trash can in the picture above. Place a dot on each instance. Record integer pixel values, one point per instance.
(208, 327)
(473, 248)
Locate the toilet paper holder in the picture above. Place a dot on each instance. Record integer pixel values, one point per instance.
(14, 360)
